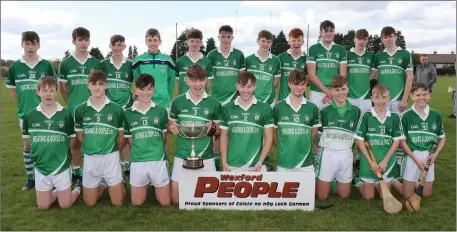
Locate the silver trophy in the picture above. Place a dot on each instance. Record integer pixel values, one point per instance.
(193, 131)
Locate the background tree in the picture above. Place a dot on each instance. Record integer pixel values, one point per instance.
(130, 54)
(67, 54)
(280, 44)
(95, 52)
(182, 45)
(109, 55)
(401, 40)
(338, 39)
(348, 40)
(135, 52)
(210, 45)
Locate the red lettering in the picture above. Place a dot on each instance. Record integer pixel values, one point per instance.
(226, 189)
(260, 188)
(225, 177)
(290, 189)
(206, 185)
(273, 193)
(242, 185)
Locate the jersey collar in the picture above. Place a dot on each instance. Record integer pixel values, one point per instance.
(269, 56)
(81, 62)
(150, 53)
(237, 103)
(195, 61)
(348, 107)
(107, 101)
(39, 109)
(388, 114)
(134, 108)
(303, 102)
(295, 58)
(354, 51)
(205, 95)
(426, 111)
(397, 49)
(220, 50)
(22, 60)
(333, 43)
(124, 59)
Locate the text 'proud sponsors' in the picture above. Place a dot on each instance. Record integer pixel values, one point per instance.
(247, 190)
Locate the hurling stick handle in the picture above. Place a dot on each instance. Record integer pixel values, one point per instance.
(378, 173)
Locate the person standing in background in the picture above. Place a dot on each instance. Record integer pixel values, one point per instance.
(425, 73)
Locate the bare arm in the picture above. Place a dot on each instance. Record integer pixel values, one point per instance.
(80, 136)
(208, 85)
(268, 136)
(408, 85)
(120, 140)
(343, 69)
(177, 86)
(64, 91)
(314, 139)
(373, 74)
(224, 148)
(13, 94)
(275, 138)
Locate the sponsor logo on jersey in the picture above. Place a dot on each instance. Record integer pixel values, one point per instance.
(206, 111)
(400, 61)
(286, 64)
(218, 63)
(162, 69)
(134, 123)
(110, 117)
(86, 119)
(270, 68)
(320, 55)
(73, 71)
(234, 62)
(303, 66)
(331, 123)
(285, 118)
(256, 116)
(61, 124)
(234, 117)
(306, 118)
(253, 66)
(21, 75)
(36, 124)
(368, 61)
(184, 111)
(371, 129)
(414, 127)
(351, 124)
(110, 74)
(337, 55)
(156, 120)
(434, 126)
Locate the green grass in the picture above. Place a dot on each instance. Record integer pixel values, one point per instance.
(19, 210)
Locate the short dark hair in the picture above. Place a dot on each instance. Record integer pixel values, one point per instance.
(338, 81)
(388, 30)
(244, 77)
(48, 81)
(196, 72)
(327, 24)
(144, 80)
(361, 34)
(30, 36)
(297, 76)
(152, 32)
(116, 38)
(97, 75)
(418, 86)
(226, 28)
(265, 34)
(80, 32)
(194, 34)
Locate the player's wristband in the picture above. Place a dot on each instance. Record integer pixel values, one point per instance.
(213, 129)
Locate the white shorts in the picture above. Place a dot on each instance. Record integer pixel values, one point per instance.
(102, 167)
(60, 181)
(363, 104)
(21, 122)
(309, 168)
(368, 180)
(234, 169)
(334, 164)
(154, 173)
(393, 106)
(316, 98)
(410, 171)
(209, 166)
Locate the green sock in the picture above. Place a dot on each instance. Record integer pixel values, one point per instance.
(357, 181)
(28, 163)
(126, 165)
(394, 180)
(333, 186)
(77, 171)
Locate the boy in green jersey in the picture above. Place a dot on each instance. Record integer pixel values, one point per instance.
(325, 60)
(423, 127)
(246, 129)
(193, 107)
(193, 56)
(291, 59)
(118, 70)
(22, 80)
(334, 160)
(383, 131)
(296, 124)
(49, 128)
(146, 128)
(73, 74)
(99, 126)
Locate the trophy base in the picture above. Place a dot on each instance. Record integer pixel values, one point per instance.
(195, 163)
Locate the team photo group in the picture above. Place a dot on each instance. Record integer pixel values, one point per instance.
(355, 129)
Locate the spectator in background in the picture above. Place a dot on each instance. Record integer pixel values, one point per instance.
(425, 73)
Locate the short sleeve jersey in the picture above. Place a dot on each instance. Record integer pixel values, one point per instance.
(380, 134)
(184, 62)
(24, 79)
(358, 75)
(264, 72)
(288, 63)
(146, 130)
(49, 139)
(293, 129)
(99, 126)
(338, 131)
(392, 71)
(119, 81)
(327, 62)
(225, 73)
(245, 131)
(185, 111)
(422, 132)
(76, 74)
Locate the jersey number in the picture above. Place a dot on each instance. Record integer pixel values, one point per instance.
(195, 112)
(245, 118)
(296, 119)
(98, 118)
(145, 122)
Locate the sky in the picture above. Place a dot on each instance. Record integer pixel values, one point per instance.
(427, 26)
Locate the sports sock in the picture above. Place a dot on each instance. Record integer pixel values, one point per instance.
(28, 163)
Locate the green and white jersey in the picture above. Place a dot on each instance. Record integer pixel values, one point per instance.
(288, 63)
(146, 130)
(422, 132)
(24, 79)
(264, 72)
(380, 134)
(392, 71)
(184, 62)
(245, 131)
(358, 75)
(327, 62)
(185, 111)
(49, 139)
(119, 81)
(225, 73)
(76, 74)
(293, 130)
(338, 131)
(99, 126)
